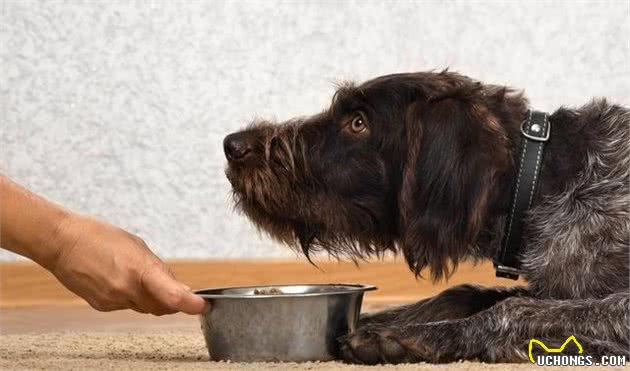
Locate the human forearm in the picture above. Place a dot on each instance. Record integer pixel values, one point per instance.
(29, 224)
(107, 266)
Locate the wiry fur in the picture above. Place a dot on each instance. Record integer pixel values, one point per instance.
(432, 178)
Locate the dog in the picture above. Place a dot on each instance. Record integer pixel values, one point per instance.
(424, 164)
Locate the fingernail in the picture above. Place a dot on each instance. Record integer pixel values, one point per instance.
(206, 307)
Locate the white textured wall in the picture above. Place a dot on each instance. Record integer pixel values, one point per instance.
(118, 108)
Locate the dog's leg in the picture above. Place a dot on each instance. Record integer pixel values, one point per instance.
(499, 334)
(457, 302)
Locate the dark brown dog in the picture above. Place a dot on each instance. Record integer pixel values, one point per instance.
(424, 163)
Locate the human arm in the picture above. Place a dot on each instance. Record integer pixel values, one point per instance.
(108, 267)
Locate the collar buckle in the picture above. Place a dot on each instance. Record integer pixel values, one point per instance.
(503, 271)
(536, 131)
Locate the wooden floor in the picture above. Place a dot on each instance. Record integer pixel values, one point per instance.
(32, 300)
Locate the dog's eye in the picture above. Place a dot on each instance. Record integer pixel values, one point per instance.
(358, 125)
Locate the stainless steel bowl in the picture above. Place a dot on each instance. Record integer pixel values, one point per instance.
(302, 323)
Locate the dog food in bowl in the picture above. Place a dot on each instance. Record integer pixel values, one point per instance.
(268, 291)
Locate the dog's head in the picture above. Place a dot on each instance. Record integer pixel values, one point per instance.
(405, 160)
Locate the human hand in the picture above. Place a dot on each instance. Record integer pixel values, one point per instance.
(113, 269)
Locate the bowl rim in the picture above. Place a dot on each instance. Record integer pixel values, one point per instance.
(349, 288)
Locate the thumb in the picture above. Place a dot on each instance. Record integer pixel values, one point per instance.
(171, 294)
(191, 303)
(195, 298)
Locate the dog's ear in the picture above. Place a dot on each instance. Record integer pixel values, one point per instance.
(455, 150)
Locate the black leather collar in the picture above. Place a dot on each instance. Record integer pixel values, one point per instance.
(535, 132)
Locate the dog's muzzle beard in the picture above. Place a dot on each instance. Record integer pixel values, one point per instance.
(259, 203)
(265, 176)
(262, 189)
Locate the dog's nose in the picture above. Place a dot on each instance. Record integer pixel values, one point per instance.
(237, 146)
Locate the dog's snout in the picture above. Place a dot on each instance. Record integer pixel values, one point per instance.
(237, 146)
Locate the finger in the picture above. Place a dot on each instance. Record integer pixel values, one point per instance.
(138, 308)
(107, 305)
(206, 302)
(156, 308)
(147, 303)
(150, 305)
(170, 293)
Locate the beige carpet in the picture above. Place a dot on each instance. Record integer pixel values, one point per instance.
(183, 350)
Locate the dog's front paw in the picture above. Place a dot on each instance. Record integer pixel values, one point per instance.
(426, 342)
(374, 344)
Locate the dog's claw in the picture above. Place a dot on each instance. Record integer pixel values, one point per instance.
(361, 348)
(372, 346)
